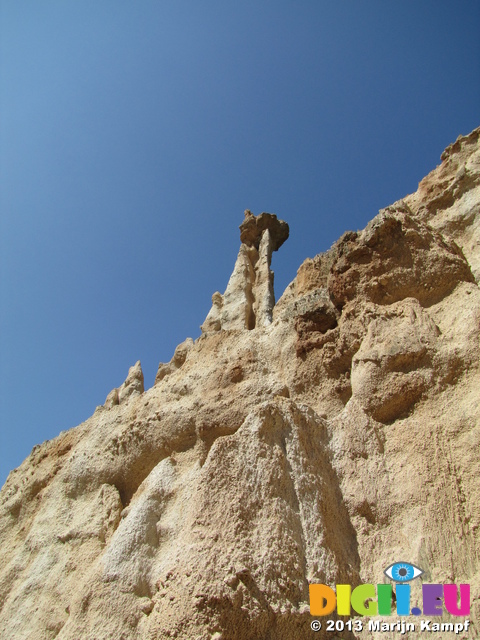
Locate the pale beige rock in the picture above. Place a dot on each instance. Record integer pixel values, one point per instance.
(249, 298)
(133, 385)
(176, 362)
(449, 197)
(319, 440)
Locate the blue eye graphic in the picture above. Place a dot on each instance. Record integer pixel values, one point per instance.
(403, 572)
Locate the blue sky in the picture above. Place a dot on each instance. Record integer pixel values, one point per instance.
(134, 134)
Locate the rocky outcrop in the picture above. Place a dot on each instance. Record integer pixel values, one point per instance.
(448, 198)
(133, 385)
(176, 362)
(249, 298)
(316, 440)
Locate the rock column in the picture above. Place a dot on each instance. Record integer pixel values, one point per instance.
(249, 298)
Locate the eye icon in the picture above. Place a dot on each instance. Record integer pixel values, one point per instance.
(403, 572)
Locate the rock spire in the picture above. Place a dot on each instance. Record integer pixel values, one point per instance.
(249, 298)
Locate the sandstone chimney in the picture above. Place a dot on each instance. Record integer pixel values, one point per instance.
(249, 298)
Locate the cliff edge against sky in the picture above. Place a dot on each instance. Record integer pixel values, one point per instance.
(315, 440)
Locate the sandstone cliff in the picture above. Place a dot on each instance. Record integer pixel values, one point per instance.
(318, 439)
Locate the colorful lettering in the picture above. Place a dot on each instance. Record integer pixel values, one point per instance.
(450, 596)
(432, 599)
(322, 599)
(343, 599)
(402, 592)
(359, 596)
(384, 593)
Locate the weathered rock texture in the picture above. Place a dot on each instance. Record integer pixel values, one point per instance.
(318, 440)
(249, 298)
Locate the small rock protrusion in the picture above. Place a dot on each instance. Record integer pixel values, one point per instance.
(179, 357)
(112, 399)
(133, 385)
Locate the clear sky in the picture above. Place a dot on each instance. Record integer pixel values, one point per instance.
(134, 134)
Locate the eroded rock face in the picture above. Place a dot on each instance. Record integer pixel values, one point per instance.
(253, 227)
(317, 440)
(249, 298)
(133, 385)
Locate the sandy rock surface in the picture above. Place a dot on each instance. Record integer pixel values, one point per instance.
(318, 439)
